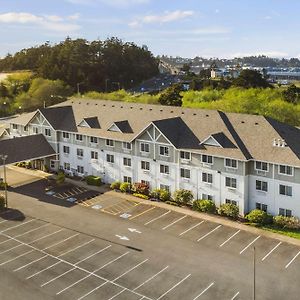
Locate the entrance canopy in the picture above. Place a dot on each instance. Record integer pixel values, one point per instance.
(25, 148)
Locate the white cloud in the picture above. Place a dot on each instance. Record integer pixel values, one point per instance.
(168, 16)
(74, 17)
(49, 22)
(116, 3)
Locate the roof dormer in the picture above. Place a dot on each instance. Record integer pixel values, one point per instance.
(121, 126)
(91, 122)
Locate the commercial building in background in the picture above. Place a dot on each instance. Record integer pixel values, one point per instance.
(251, 161)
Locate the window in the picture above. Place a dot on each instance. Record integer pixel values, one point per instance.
(207, 197)
(285, 190)
(185, 173)
(110, 143)
(207, 159)
(261, 186)
(228, 201)
(79, 152)
(80, 169)
(285, 212)
(145, 182)
(127, 161)
(261, 206)
(165, 187)
(206, 177)
(261, 166)
(15, 126)
(67, 166)
(65, 135)
(164, 169)
(145, 147)
(230, 182)
(126, 146)
(66, 149)
(79, 137)
(145, 165)
(94, 155)
(52, 164)
(110, 158)
(127, 179)
(231, 163)
(164, 151)
(35, 130)
(185, 155)
(47, 132)
(285, 170)
(93, 140)
(25, 128)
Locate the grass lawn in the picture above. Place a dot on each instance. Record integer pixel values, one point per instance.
(288, 232)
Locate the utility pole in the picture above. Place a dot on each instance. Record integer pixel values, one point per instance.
(4, 157)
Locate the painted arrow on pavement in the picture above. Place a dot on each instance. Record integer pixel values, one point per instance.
(134, 230)
(122, 237)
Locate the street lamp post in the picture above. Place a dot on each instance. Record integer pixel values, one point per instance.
(4, 157)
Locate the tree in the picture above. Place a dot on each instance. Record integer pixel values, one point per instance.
(292, 94)
(251, 79)
(171, 96)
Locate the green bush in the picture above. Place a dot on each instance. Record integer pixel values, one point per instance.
(183, 197)
(172, 203)
(115, 185)
(155, 194)
(287, 222)
(125, 187)
(2, 202)
(204, 206)
(141, 188)
(93, 180)
(259, 217)
(60, 178)
(164, 196)
(229, 210)
(142, 196)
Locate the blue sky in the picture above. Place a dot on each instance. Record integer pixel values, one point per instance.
(214, 28)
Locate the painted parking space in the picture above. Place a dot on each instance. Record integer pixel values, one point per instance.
(120, 207)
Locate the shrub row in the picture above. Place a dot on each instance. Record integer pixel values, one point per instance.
(93, 180)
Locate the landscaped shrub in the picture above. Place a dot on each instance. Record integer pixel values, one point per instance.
(2, 202)
(183, 197)
(93, 180)
(287, 222)
(259, 217)
(115, 185)
(173, 203)
(141, 188)
(164, 195)
(142, 196)
(125, 187)
(204, 206)
(60, 178)
(229, 210)
(155, 194)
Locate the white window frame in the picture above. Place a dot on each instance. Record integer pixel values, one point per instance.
(94, 154)
(25, 128)
(283, 212)
(261, 169)
(48, 132)
(207, 197)
(207, 177)
(65, 135)
(231, 181)
(285, 174)
(262, 183)
(79, 152)
(165, 169)
(165, 187)
(127, 179)
(183, 173)
(66, 148)
(15, 126)
(110, 158)
(287, 188)
(93, 139)
(81, 169)
(127, 160)
(165, 153)
(67, 166)
(144, 145)
(261, 206)
(207, 156)
(230, 160)
(229, 201)
(184, 153)
(145, 165)
(110, 143)
(125, 144)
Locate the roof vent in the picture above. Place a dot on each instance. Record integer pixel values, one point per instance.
(112, 106)
(207, 115)
(72, 101)
(160, 110)
(141, 108)
(279, 143)
(104, 104)
(79, 102)
(243, 122)
(96, 103)
(194, 114)
(87, 103)
(182, 112)
(256, 123)
(121, 106)
(150, 109)
(171, 111)
(131, 107)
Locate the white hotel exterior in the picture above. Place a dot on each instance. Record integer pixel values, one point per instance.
(252, 161)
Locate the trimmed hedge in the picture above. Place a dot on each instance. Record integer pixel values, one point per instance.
(287, 222)
(204, 206)
(173, 203)
(229, 210)
(183, 197)
(93, 180)
(2, 202)
(142, 196)
(141, 188)
(160, 194)
(260, 217)
(115, 185)
(60, 178)
(125, 187)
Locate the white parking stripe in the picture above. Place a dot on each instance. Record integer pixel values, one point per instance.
(231, 237)
(72, 269)
(16, 257)
(204, 236)
(3, 221)
(194, 226)
(146, 281)
(153, 220)
(176, 221)
(174, 286)
(41, 271)
(234, 297)
(30, 263)
(101, 285)
(116, 295)
(96, 270)
(292, 260)
(249, 244)
(204, 291)
(271, 251)
(64, 240)
(17, 226)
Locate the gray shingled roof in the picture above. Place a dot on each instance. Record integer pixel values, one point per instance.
(25, 148)
(93, 122)
(124, 126)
